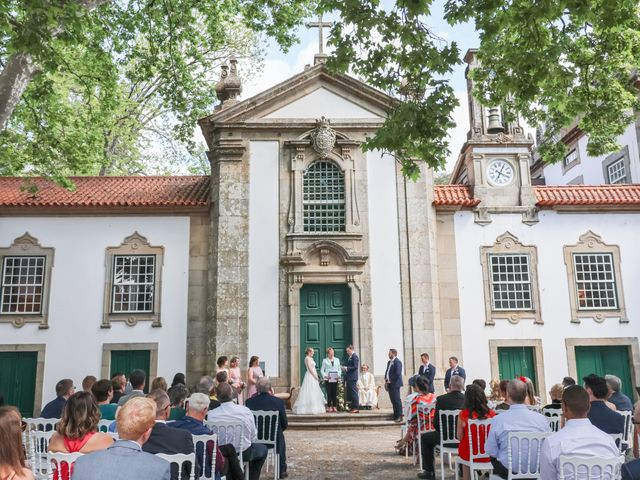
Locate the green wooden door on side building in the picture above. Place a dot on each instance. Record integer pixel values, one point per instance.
(603, 360)
(128, 360)
(514, 362)
(18, 380)
(325, 321)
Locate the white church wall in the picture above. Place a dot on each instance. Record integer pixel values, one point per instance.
(264, 254)
(554, 231)
(590, 168)
(384, 259)
(74, 338)
(322, 102)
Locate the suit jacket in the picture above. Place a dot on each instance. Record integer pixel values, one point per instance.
(430, 373)
(54, 408)
(165, 439)
(631, 470)
(458, 370)
(448, 401)
(605, 419)
(124, 460)
(265, 401)
(353, 368)
(394, 369)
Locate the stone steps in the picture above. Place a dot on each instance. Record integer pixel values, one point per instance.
(343, 421)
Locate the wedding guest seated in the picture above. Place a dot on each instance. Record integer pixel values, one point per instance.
(452, 400)
(503, 393)
(600, 415)
(422, 398)
(206, 385)
(125, 460)
(227, 462)
(178, 379)
(556, 398)
(12, 466)
(475, 407)
(102, 391)
(177, 396)
(159, 383)
(578, 438)
(568, 381)
(266, 401)
(64, 389)
(138, 379)
(480, 383)
(76, 431)
(619, 399)
(119, 383)
(87, 383)
(531, 398)
(228, 411)
(164, 439)
(517, 419)
(631, 470)
(367, 388)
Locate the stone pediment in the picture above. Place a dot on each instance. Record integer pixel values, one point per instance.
(311, 94)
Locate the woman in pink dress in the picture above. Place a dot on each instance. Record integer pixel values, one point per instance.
(235, 378)
(253, 374)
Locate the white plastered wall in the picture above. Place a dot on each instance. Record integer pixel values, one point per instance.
(74, 338)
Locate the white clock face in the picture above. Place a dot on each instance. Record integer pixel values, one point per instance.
(500, 172)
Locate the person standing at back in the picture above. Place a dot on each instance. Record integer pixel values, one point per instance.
(64, 389)
(352, 369)
(454, 369)
(428, 370)
(393, 382)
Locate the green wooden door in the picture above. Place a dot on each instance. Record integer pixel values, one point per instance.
(514, 362)
(601, 360)
(128, 360)
(325, 321)
(18, 380)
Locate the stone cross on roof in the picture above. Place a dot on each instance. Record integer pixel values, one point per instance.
(320, 57)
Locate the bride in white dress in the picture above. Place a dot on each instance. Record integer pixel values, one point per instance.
(310, 399)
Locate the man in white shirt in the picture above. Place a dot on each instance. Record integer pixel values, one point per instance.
(578, 438)
(254, 453)
(517, 419)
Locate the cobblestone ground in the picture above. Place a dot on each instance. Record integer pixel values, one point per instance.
(338, 454)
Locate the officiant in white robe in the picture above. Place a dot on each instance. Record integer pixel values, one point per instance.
(367, 388)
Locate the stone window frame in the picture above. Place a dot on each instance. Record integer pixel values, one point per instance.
(28, 246)
(536, 343)
(508, 244)
(107, 348)
(41, 349)
(568, 166)
(134, 244)
(614, 157)
(590, 242)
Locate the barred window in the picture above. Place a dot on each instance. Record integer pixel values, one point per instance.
(595, 281)
(616, 172)
(133, 283)
(510, 282)
(22, 285)
(323, 198)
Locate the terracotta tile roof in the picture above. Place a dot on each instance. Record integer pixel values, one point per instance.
(586, 195)
(157, 192)
(454, 195)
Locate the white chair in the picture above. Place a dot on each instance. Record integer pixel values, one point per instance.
(40, 445)
(593, 468)
(448, 423)
(208, 461)
(181, 459)
(617, 438)
(553, 416)
(527, 455)
(477, 436)
(535, 408)
(425, 424)
(406, 412)
(114, 435)
(103, 425)
(57, 462)
(36, 424)
(231, 432)
(627, 436)
(267, 424)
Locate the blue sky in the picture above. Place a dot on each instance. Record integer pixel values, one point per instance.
(279, 66)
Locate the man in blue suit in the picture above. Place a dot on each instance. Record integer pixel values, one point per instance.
(125, 459)
(454, 369)
(428, 370)
(265, 401)
(393, 382)
(352, 368)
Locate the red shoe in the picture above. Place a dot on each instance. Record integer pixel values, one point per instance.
(354, 411)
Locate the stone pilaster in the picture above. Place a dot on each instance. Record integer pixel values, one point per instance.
(228, 307)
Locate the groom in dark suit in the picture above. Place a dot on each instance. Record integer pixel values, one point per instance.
(393, 382)
(352, 368)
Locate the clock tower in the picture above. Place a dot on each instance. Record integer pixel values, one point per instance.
(495, 160)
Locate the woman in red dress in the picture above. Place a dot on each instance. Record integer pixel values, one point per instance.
(475, 407)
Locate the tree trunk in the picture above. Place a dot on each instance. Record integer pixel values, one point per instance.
(14, 79)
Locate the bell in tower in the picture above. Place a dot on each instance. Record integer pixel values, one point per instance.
(494, 125)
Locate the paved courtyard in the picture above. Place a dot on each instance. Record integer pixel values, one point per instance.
(335, 454)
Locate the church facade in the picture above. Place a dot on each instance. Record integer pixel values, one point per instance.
(301, 238)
